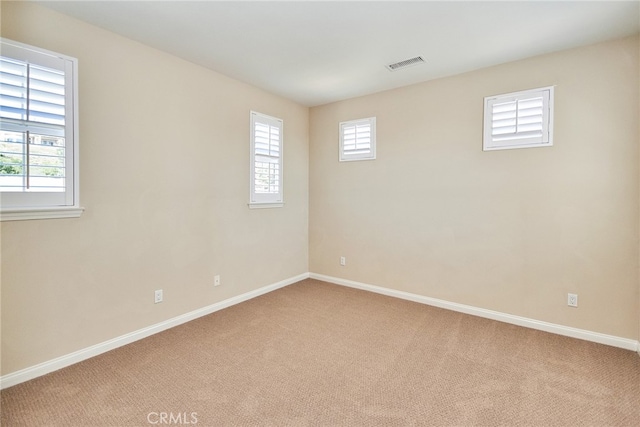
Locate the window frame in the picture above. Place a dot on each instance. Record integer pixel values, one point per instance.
(24, 205)
(265, 200)
(522, 141)
(350, 157)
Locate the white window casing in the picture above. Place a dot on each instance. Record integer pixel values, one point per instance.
(358, 139)
(266, 162)
(519, 120)
(38, 133)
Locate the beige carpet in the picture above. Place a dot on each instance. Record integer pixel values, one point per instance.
(320, 354)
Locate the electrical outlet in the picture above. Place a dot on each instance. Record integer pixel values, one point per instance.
(216, 280)
(572, 300)
(158, 296)
(343, 261)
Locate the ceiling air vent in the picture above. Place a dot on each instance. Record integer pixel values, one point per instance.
(406, 63)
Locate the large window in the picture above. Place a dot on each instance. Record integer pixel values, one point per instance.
(266, 161)
(38, 133)
(358, 139)
(519, 120)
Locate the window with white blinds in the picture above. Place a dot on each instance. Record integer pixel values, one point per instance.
(519, 120)
(266, 161)
(38, 137)
(358, 139)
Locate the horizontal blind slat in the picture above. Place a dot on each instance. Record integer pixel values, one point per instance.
(518, 135)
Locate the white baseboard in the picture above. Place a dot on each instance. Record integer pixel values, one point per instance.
(86, 353)
(568, 331)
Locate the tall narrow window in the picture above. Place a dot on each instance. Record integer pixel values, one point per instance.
(38, 133)
(519, 120)
(358, 139)
(266, 161)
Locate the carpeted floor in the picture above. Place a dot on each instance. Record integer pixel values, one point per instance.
(319, 354)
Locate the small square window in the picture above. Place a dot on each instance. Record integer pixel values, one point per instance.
(519, 120)
(358, 139)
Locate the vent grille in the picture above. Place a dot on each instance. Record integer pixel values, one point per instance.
(406, 63)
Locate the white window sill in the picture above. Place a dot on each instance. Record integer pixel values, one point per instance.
(356, 159)
(510, 145)
(265, 205)
(40, 213)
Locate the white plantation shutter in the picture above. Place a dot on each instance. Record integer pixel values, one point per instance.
(358, 139)
(37, 128)
(519, 120)
(31, 93)
(266, 160)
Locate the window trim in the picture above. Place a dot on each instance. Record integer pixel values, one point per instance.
(72, 209)
(546, 140)
(40, 213)
(371, 155)
(268, 200)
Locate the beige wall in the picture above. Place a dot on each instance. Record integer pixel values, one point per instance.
(512, 230)
(164, 148)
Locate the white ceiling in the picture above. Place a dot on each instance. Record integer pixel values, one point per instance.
(319, 52)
